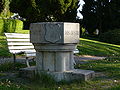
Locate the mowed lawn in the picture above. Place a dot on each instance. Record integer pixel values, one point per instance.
(107, 71)
(96, 48)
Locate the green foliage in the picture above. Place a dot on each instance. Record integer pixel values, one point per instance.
(112, 36)
(116, 87)
(10, 25)
(5, 12)
(23, 31)
(82, 32)
(1, 26)
(101, 14)
(19, 25)
(4, 52)
(45, 10)
(1, 6)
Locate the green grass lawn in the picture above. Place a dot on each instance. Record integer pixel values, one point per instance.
(107, 78)
(96, 48)
(107, 71)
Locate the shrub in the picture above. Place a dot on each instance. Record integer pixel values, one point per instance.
(10, 25)
(112, 36)
(1, 26)
(19, 25)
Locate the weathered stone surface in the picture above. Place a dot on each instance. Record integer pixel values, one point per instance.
(28, 72)
(54, 61)
(75, 74)
(54, 43)
(54, 32)
(54, 47)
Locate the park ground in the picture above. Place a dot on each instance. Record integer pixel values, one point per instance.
(107, 70)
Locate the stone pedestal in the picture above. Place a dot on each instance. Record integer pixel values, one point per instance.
(54, 43)
(54, 58)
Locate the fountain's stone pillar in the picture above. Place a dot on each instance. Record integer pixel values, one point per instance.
(54, 43)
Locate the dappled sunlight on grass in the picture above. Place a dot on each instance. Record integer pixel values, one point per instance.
(91, 47)
(98, 42)
(107, 70)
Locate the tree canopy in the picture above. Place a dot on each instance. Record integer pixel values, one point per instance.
(1, 6)
(4, 8)
(101, 14)
(45, 10)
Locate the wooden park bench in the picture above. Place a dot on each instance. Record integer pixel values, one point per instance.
(20, 43)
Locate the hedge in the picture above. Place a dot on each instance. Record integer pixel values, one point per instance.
(10, 25)
(112, 36)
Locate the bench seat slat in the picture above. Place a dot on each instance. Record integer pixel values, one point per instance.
(30, 55)
(18, 40)
(19, 43)
(76, 51)
(21, 47)
(19, 51)
(17, 35)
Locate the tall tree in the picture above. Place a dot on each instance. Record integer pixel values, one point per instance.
(5, 12)
(101, 14)
(1, 6)
(115, 11)
(88, 12)
(45, 10)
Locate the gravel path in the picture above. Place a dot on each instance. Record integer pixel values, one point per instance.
(81, 59)
(88, 57)
(6, 60)
(77, 59)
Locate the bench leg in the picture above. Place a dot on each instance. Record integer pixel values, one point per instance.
(27, 62)
(14, 58)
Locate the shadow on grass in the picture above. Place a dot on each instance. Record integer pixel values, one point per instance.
(96, 48)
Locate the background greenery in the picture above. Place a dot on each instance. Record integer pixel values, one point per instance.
(4, 8)
(98, 14)
(10, 25)
(45, 10)
(101, 14)
(112, 36)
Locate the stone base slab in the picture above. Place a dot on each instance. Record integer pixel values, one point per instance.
(28, 72)
(76, 74)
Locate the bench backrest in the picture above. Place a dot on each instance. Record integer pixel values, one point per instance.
(18, 43)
